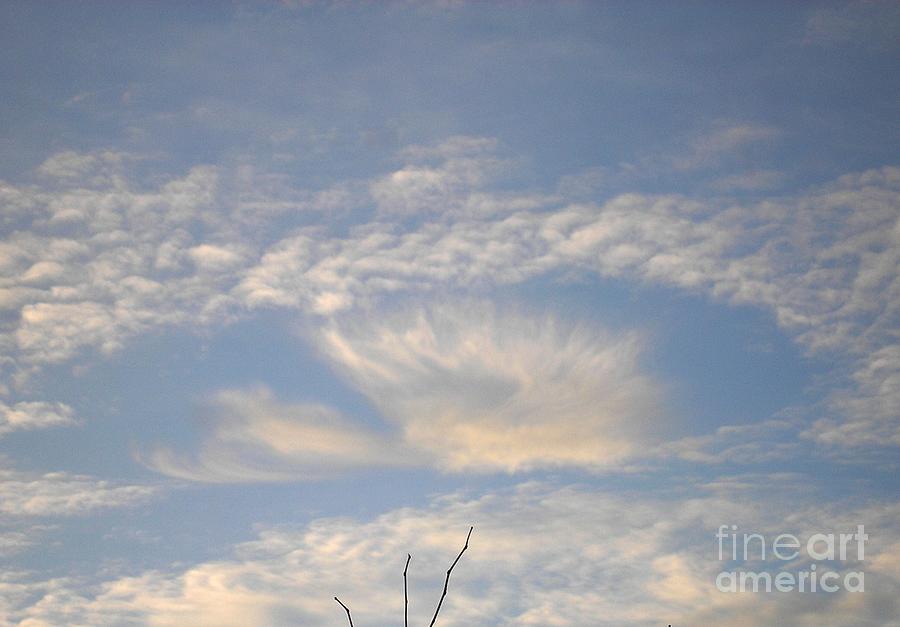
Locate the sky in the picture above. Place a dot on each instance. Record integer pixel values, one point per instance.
(291, 290)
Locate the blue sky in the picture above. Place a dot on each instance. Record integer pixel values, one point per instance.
(290, 290)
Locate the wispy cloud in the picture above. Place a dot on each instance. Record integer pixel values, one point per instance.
(479, 389)
(461, 388)
(724, 141)
(662, 290)
(754, 181)
(864, 23)
(822, 262)
(255, 437)
(771, 440)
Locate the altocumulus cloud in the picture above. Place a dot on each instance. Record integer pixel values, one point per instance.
(541, 555)
(64, 494)
(122, 259)
(35, 415)
(597, 337)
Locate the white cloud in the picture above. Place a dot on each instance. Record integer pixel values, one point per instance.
(43, 272)
(129, 259)
(462, 388)
(254, 437)
(726, 139)
(763, 442)
(52, 332)
(478, 389)
(422, 189)
(102, 258)
(17, 537)
(872, 404)
(214, 258)
(64, 494)
(540, 555)
(823, 263)
(28, 415)
(81, 166)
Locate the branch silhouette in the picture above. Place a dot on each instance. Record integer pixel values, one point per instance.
(447, 580)
(405, 595)
(406, 591)
(346, 609)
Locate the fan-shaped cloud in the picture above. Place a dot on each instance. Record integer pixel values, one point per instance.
(478, 389)
(461, 388)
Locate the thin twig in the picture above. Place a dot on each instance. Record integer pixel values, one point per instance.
(405, 595)
(447, 580)
(346, 609)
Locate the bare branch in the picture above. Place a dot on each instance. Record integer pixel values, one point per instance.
(346, 609)
(447, 580)
(405, 595)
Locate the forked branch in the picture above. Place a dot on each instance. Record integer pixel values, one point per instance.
(346, 609)
(447, 580)
(406, 589)
(405, 594)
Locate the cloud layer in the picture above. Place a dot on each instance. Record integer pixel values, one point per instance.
(540, 555)
(95, 260)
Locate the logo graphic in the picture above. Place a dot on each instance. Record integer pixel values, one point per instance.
(788, 564)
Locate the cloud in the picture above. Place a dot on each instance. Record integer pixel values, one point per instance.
(18, 536)
(73, 165)
(64, 494)
(465, 164)
(461, 388)
(415, 189)
(94, 254)
(29, 415)
(871, 404)
(866, 23)
(451, 148)
(82, 275)
(753, 181)
(541, 554)
(92, 267)
(255, 437)
(214, 258)
(630, 235)
(763, 442)
(822, 262)
(724, 141)
(52, 332)
(478, 389)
